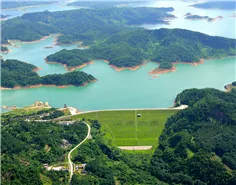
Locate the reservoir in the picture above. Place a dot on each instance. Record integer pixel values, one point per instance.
(128, 89)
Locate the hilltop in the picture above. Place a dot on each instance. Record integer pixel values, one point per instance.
(87, 25)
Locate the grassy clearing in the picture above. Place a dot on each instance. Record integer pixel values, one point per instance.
(45, 180)
(124, 128)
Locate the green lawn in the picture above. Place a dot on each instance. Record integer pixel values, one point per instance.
(124, 128)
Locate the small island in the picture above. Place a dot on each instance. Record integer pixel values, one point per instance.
(214, 19)
(224, 5)
(195, 17)
(199, 17)
(16, 74)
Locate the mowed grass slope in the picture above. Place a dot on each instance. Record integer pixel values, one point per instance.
(124, 128)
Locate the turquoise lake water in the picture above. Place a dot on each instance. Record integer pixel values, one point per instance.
(128, 89)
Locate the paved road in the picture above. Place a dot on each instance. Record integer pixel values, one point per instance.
(69, 155)
(72, 110)
(85, 112)
(174, 108)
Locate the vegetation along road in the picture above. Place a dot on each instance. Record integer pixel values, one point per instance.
(69, 155)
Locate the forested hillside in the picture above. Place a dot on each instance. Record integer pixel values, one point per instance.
(16, 73)
(199, 143)
(197, 147)
(85, 25)
(131, 48)
(26, 146)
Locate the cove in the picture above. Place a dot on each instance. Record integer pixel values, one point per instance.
(125, 89)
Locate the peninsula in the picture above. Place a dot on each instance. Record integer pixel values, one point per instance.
(16, 74)
(131, 49)
(86, 25)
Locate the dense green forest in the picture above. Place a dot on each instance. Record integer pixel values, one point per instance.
(197, 147)
(16, 73)
(85, 25)
(131, 48)
(226, 5)
(198, 143)
(21, 4)
(26, 146)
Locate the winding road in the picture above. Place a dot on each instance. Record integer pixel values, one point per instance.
(71, 170)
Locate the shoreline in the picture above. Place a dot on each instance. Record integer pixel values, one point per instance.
(42, 85)
(70, 68)
(37, 69)
(201, 61)
(208, 19)
(27, 42)
(158, 70)
(33, 86)
(6, 52)
(214, 19)
(229, 87)
(134, 68)
(55, 43)
(118, 69)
